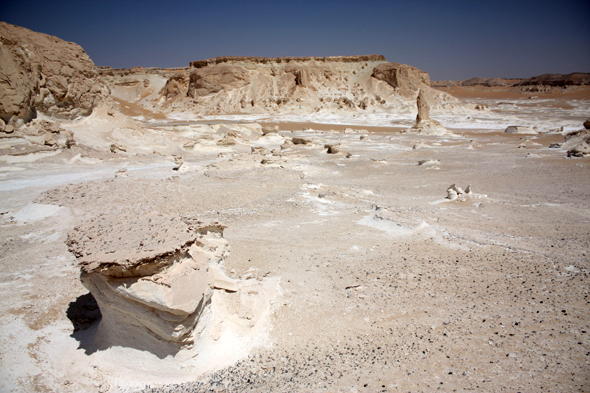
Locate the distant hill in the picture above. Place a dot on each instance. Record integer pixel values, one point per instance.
(574, 86)
(559, 80)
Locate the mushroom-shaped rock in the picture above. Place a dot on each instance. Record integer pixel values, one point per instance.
(150, 275)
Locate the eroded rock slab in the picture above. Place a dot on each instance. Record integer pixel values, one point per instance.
(151, 277)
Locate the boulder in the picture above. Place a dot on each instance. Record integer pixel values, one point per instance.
(270, 130)
(577, 143)
(179, 164)
(454, 192)
(39, 72)
(332, 149)
(51, 139)
(116, 148)
(301, 141)
(580, 150)
(226, 141)
(121, 173)
(587, 124)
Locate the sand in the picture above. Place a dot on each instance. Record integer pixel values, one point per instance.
(381, 283)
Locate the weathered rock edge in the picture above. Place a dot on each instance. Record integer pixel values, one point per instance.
(40, 72)
(289, 59)
(152, 276)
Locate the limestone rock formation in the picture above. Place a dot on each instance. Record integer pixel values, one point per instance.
(577, 143)
(423, 108)
(301, 141)
(39, 72)
(402, 76)
(582, 149)
(177, 85)
(424, 124)
(289, 84)
(454, 192)
(151, 277)
(520, 130)
(205, 81)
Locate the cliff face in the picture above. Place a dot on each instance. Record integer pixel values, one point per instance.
(289, 84)
(39, 72)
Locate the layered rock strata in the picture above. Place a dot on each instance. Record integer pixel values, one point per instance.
(39, 72)
(152, 276)
(290, 84)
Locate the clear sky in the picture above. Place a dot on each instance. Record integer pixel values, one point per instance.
(450, 39)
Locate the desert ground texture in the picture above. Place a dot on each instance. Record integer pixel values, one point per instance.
(345, 262)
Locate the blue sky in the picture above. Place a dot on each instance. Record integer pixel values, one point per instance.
(452, 39)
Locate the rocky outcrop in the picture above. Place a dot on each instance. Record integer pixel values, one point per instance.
(424, 124)
(454, 192)
(39, 72)
(582, 149)
(177, 85)
(577, 143)
(402, 76)
(152, 276)
(290, 84)
(205, 81)
(520, 130)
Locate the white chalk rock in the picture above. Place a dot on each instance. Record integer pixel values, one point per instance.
(454, 192)
(451, 194)
(151, 277)
(520, 130)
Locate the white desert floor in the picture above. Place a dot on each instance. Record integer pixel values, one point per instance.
(372, 280)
